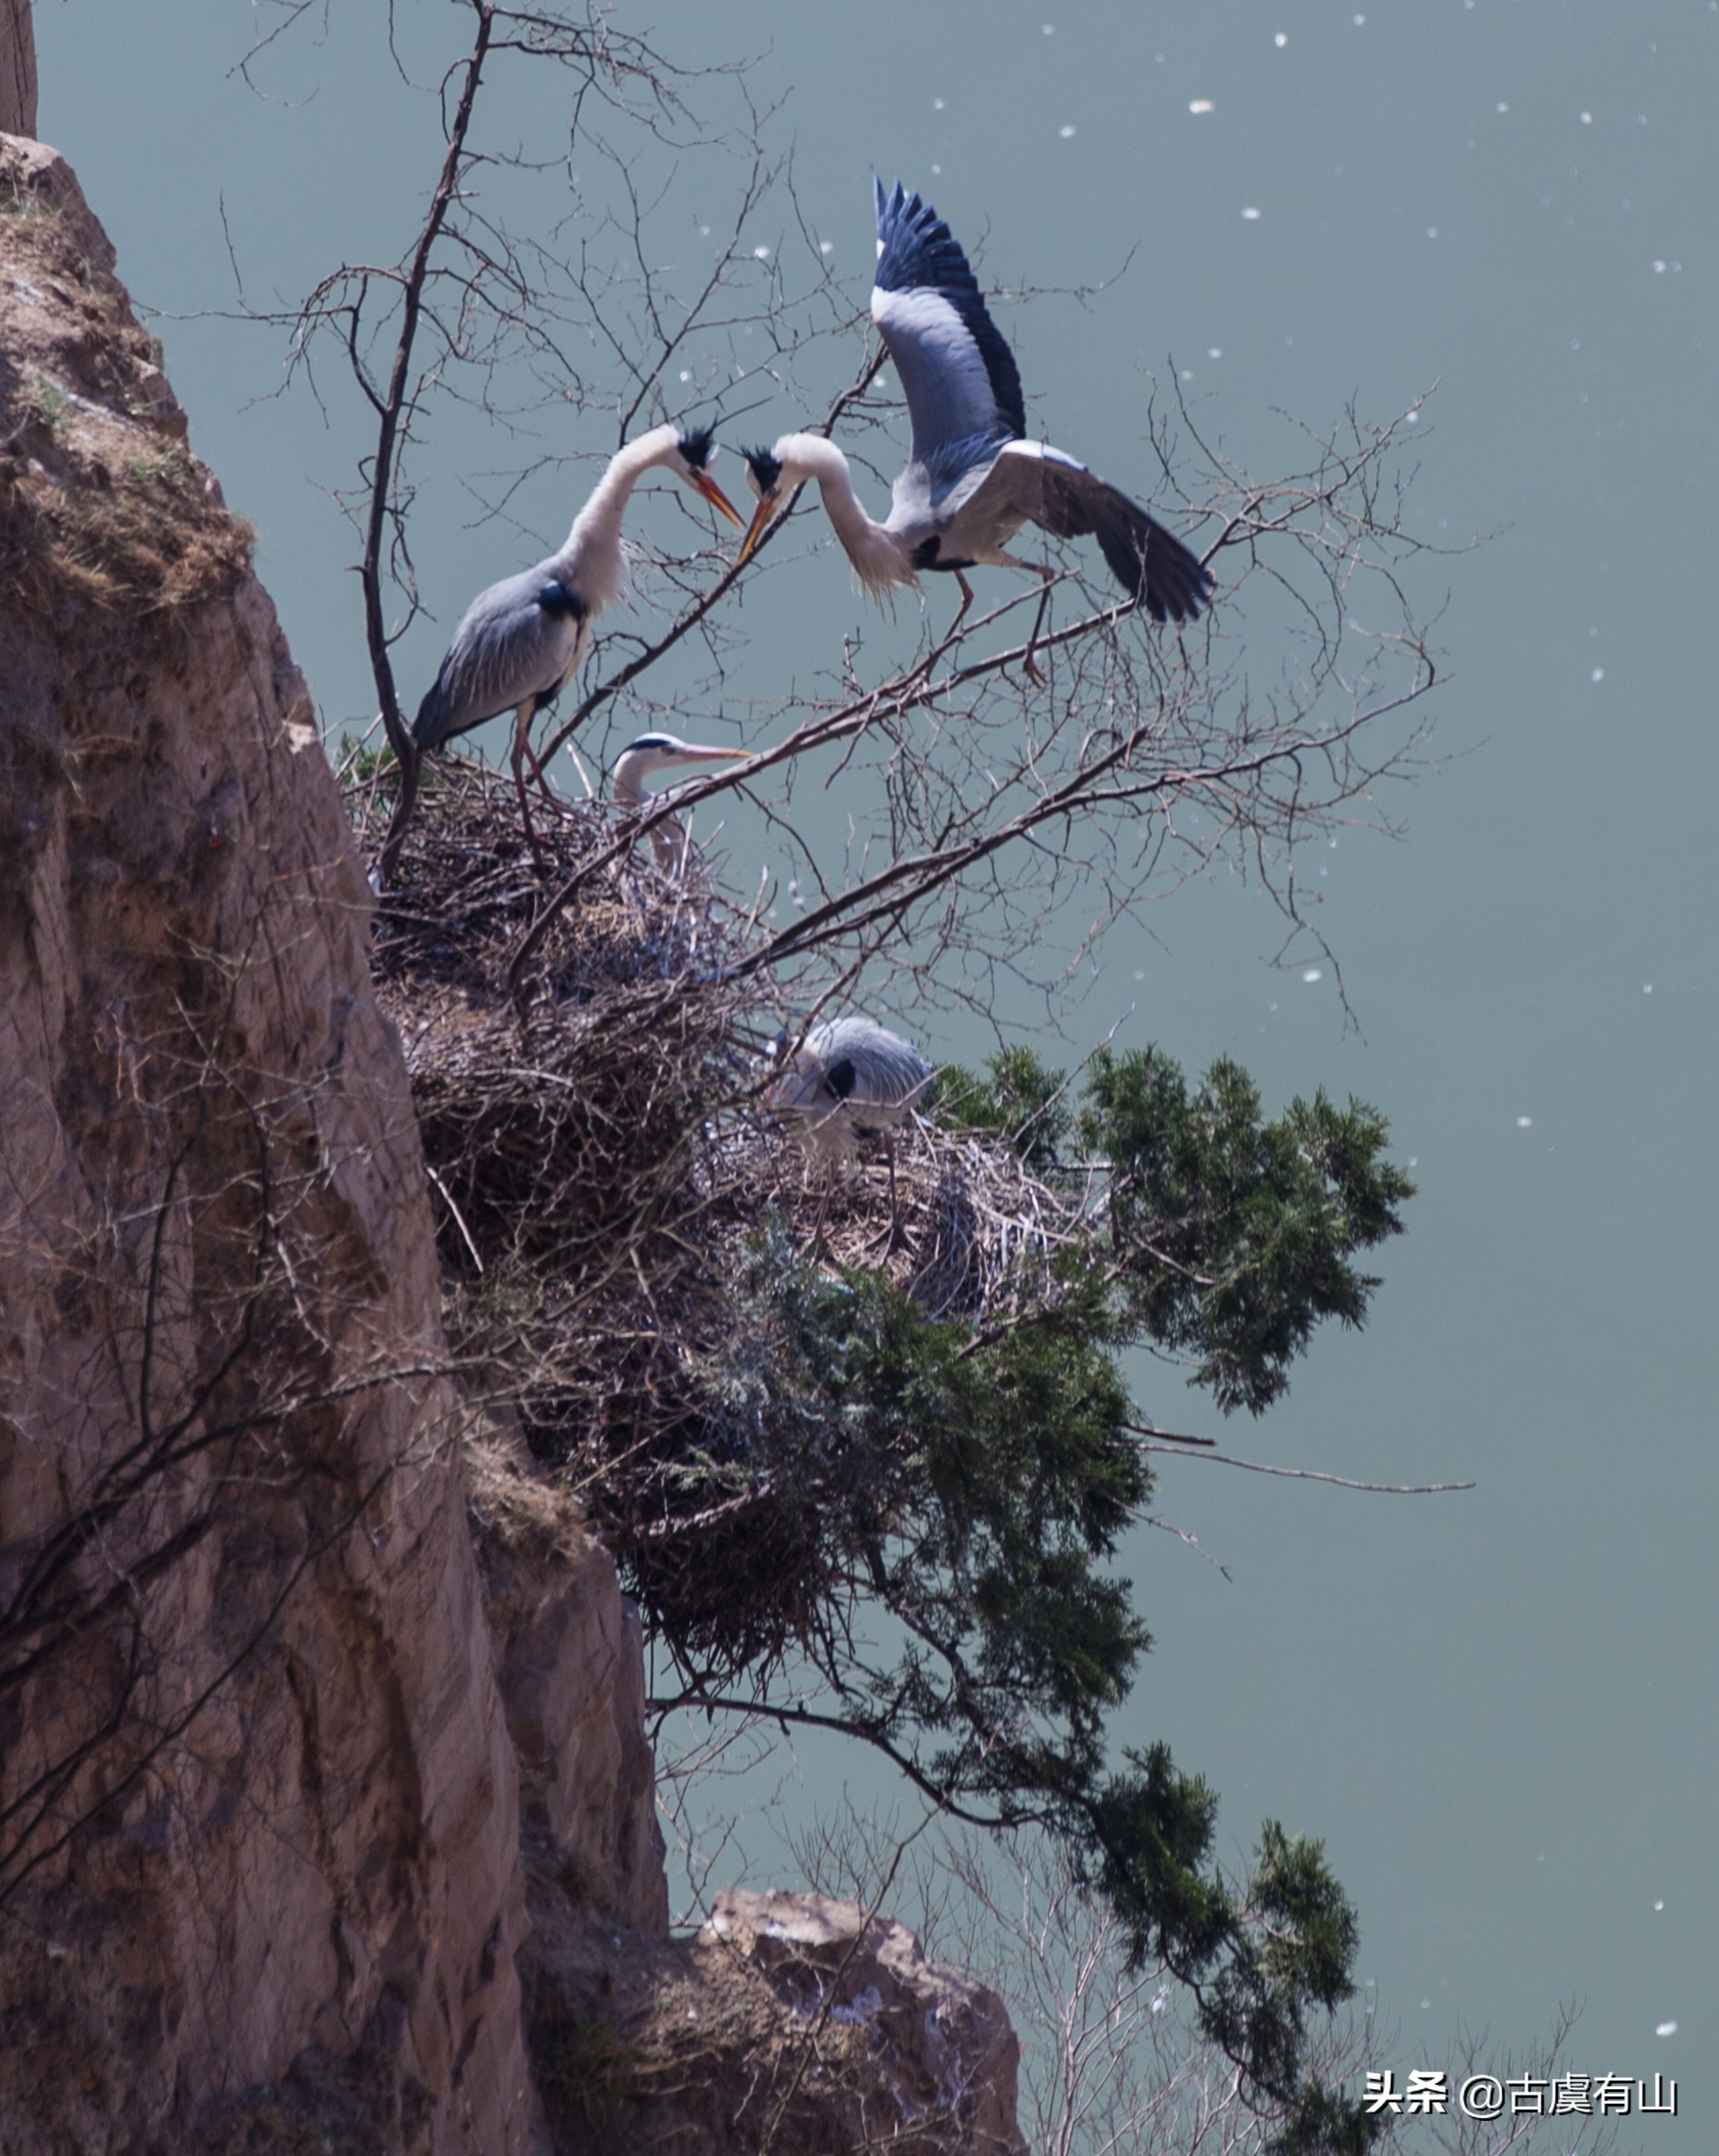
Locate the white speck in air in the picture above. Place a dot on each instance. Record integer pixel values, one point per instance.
(1659, 268)
(1658, 1905)
(1665, 2029)
(1066, 132)
(1647, 989)
(937, 105)
(1599, 673)
(826, 247)
(1200, 105)
(1313, 973)
(1411, 419)
(1359, 20)
(1251, 215)
(1415, 1160)
(1188, 374)
(1525, 1123)
(761, 252)
(937, 168)
(1500, 108)
(1050, 29)
(1280, 41)
(1588, 119)
(1214, 351)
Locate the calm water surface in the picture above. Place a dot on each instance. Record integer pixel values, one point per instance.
(1497, 1709)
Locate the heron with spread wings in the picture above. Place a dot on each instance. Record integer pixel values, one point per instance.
(972, 478)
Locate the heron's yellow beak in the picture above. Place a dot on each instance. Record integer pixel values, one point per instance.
(762, 518)
(714, 495)
(701, 755)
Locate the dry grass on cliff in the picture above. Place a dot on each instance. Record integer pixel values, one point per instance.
(100, 501)
(618, 1213)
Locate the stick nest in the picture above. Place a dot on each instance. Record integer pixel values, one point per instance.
(618, 1213)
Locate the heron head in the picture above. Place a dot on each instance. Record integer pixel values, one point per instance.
(693, 453)
(641, 759)
(769, 479)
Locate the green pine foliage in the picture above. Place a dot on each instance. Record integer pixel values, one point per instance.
(1234, 1236)
(974, 1481)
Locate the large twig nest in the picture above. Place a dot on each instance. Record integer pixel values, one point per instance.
(612, 1200)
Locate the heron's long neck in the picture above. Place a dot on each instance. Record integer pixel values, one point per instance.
(876, 554)
(593, 550)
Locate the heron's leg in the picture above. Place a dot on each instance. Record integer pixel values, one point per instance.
(551, 799)
(948, 638)
(892, 1237)
(1028, 666)
(816, 1235)
(521, 749)
(966, 600)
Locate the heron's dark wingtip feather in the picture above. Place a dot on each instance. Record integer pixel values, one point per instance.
(1171, 581)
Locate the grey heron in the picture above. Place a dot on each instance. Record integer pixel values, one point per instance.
(643, 759)
(972, 478)
(849, 1075)
(523, 640)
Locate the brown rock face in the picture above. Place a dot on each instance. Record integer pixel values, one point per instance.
(571, 1666)
(256, 1793)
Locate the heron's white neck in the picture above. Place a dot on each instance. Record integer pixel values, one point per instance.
(879, 558)
(591, 554)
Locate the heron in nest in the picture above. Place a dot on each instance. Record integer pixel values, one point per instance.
(523, 639)
(846, 1078)
(973, 477)
(641, 759)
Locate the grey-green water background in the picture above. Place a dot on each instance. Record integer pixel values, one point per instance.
(1497, 1709)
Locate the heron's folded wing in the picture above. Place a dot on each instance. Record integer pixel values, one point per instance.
(958, 372)
(1054, 491)
(508, 647)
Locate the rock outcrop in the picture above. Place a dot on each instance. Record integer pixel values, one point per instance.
(256, 1790)
(792, 2022)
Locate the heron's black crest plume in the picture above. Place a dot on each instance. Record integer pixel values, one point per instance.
(918, 252)
(766, 469)
(696, 444)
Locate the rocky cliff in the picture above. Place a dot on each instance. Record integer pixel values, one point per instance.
(257, 1793)
(285, 1749)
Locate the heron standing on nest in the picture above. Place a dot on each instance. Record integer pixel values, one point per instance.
(972, 478)
(643, 759)
(523, 639)
(847, 1076)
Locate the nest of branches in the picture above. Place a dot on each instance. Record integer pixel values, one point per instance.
(622, 1225)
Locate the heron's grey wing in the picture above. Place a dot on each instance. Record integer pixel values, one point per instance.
(510, 646)
(1054, 491)
(958, 373)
